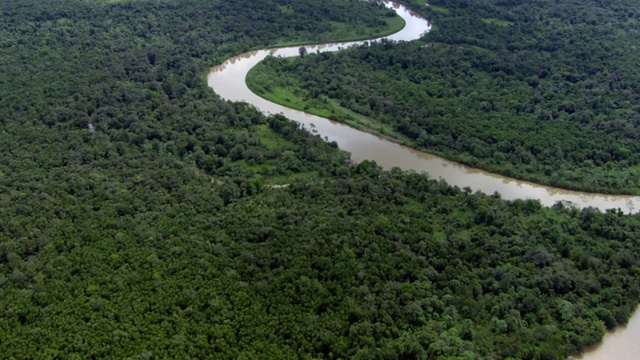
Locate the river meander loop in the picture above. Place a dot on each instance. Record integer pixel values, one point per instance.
(227, 80)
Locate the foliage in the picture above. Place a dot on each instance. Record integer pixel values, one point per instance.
(541, 90)
(143, 217)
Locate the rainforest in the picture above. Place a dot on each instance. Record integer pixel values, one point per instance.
(540, 90)
(143, 217)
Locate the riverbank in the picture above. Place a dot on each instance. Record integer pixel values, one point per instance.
(332, 111)
(271, 85)
(344, 33)
(365, 146)
(388, 154)
(455, 108)
(618, 344)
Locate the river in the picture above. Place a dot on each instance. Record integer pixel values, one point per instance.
(227, 80)
(619, 344)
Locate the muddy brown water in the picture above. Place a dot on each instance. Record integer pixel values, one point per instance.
(228, 81)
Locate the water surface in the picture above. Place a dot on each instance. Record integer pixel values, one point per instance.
(619, 344)
(228, 81)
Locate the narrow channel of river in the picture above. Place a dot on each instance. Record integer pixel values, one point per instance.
(228, 81)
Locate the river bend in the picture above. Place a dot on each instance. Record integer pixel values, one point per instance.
(228, 81)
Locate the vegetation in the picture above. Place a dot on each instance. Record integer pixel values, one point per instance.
(542, 91)
(143, 217)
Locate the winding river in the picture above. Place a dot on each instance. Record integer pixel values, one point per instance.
(227, 80)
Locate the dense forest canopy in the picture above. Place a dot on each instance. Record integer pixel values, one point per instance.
(143, 217)
(540, 90)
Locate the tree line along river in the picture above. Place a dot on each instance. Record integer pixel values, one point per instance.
(227, 80)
